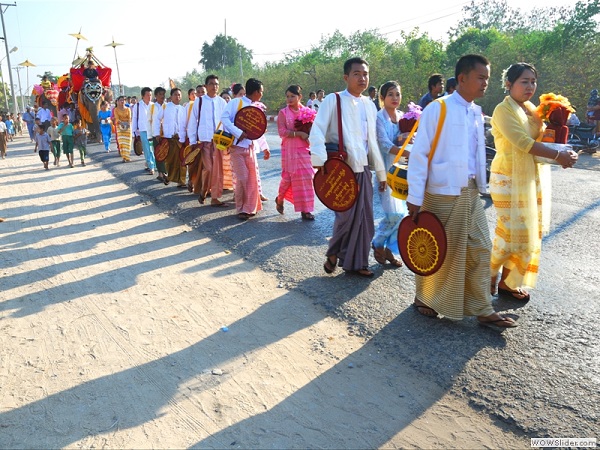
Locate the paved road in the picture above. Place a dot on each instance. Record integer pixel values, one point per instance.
(541, 379)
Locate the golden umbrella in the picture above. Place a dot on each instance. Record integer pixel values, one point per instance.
(114, 45)
(78, 36)
(27, 64)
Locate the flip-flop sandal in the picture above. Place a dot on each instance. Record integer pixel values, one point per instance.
(279, 206)
(365, 273)
(426, 308)
(379, 254)
(513, 294)
(216, 205)
(389, 256)
(329, 266)
(496, 324)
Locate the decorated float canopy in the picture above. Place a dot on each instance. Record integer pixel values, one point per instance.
(80, 64)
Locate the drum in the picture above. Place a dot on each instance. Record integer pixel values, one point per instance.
(422, 243)
(335, 185)
(161, 151)
(222, 140)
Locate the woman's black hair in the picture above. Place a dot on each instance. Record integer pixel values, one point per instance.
(514, 72)
(236, 88)
(294, 89)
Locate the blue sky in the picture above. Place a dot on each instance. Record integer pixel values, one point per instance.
(162, 39)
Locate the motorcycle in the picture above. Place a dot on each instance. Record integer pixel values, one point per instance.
(583, 138)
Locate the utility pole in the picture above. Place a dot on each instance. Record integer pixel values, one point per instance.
(18, 68)
(12, 89)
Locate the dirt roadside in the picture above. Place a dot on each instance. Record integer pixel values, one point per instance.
(121, 327)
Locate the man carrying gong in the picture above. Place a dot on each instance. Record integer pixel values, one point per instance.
(449, 187)
(247, 195)
(353, 229)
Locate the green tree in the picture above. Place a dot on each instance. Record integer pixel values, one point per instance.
(50, 76)
(224, 51)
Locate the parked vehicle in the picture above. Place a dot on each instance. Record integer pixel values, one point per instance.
(584, 138)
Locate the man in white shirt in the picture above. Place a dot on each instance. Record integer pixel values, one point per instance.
(247, 195)
(139, 125)
(449, 187)
(206, 173)
(353, 230)
(155, 130)
(169, 119)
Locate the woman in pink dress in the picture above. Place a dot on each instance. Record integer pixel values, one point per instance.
(296, 185)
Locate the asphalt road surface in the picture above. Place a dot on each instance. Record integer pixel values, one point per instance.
(541, 379)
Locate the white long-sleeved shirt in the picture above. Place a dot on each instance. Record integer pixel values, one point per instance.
(170, 116)
(228, 117)
(139, 117)
(210, 116)
(359, 130)
(461, 145)
(153, 111)
(183, 125)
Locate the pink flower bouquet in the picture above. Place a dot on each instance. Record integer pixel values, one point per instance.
(305, 119)
(410, 118)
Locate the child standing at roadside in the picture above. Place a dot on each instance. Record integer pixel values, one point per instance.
(10, 126)
(105, 124)
(55, 139)
(80, 139)
(66, 131)
(42, 142)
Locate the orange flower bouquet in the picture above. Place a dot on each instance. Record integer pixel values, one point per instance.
(555, 110)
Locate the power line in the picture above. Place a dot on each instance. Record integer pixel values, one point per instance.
(379, 29)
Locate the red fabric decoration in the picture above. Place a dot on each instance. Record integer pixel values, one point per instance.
(78, 79)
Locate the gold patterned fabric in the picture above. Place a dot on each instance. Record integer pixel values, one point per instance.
(123, 126)
(461, 287)
(520, 190)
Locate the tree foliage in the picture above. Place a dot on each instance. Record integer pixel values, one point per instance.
(51, 77)
(561, 42)
(224, 52)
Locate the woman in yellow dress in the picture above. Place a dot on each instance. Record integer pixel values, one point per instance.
(122, 120)
(520, 187)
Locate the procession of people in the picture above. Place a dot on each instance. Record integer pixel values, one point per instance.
(446, 168)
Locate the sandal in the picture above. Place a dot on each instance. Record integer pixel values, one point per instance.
(389, 256)
(379, 254)
(279, 206)
(501, 322)
(364, 272)
(329, 266)
(307, 216)
(424, 310)
(517, 294)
